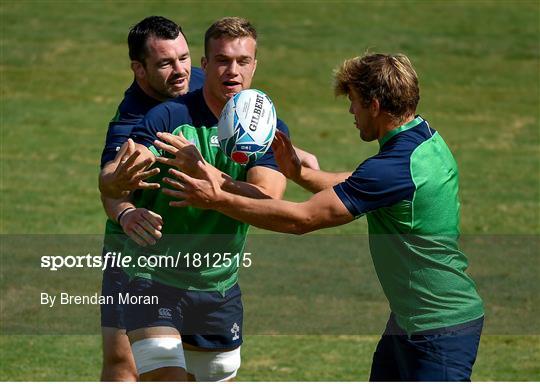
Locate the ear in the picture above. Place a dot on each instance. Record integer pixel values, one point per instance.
(138, 69)
(375, 108)
(204, 63)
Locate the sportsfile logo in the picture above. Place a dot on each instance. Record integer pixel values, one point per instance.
(165, 313)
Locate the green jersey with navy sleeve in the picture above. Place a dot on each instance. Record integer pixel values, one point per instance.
(191, 231)
(409, 193)
(130, 112)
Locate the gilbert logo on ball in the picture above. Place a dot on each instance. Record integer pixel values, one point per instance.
(247, 126)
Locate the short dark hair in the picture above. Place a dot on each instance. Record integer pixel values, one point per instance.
(230, 27)
(153, 26)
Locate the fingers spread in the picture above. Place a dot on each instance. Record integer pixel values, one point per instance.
(179, 175)
(179, 204)
(174, 193)
(166, 160)
(145, 185)
(204, 169)
(174, 183)
(138, 167)
(166, 147)
(146, 174)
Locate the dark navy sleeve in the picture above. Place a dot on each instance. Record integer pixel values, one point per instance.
(378, 182)
(196, 80)
(268, 160)
(159, 119)
(117, 134)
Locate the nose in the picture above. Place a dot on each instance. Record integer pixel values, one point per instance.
(351, 109)
(179, 67)
(233, 68)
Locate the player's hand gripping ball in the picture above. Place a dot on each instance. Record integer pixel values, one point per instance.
(247, 126)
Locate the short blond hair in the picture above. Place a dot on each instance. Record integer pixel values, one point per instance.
(231, 27)
(391, 79)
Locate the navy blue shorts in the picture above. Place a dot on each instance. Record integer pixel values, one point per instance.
(446, 354)
(204, 319)
(113, 283)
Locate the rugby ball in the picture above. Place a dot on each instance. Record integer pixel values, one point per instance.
(247, 126)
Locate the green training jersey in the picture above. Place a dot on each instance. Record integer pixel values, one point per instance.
(409, 193)
(197, 242)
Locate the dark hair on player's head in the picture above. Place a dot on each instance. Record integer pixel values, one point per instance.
(152, 26)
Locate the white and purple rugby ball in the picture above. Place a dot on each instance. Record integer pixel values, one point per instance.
(247, 126)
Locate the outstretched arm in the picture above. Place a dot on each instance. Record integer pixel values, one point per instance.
(262, 182)
(323, 210)
(117, 179)
(290, 165)
(307, 159)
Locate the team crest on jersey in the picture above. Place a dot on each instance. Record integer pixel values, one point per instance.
(235, 331)
(214, 142)
(165, 313)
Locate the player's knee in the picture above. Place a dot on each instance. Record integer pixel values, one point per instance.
(158, 352)
(119, 372)
(213, 366)
(118, 364)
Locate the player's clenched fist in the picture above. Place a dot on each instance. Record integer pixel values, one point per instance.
(141, 225)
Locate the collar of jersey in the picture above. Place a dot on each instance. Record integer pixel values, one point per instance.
(395, 131)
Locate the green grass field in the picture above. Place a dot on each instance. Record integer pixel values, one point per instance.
(64, 68)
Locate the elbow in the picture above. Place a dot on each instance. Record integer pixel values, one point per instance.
(300, 231)
(303, 225)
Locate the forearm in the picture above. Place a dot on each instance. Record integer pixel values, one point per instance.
(261, 183)
(105, 186)
(113, 207)
(275, 215)
(316, 180)
(246, 189)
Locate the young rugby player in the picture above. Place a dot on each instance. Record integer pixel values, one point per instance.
(409, 193)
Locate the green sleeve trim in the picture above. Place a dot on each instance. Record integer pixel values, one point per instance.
(154, 151)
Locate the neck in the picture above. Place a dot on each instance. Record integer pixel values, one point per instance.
(149, 91)
(214, 105)
(389, 123)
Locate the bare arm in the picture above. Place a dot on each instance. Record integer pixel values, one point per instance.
(307, 159)
(113, 207)
(261, 183)
(118, 178)
(313, 180)
(316, 180)
(323, 210)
